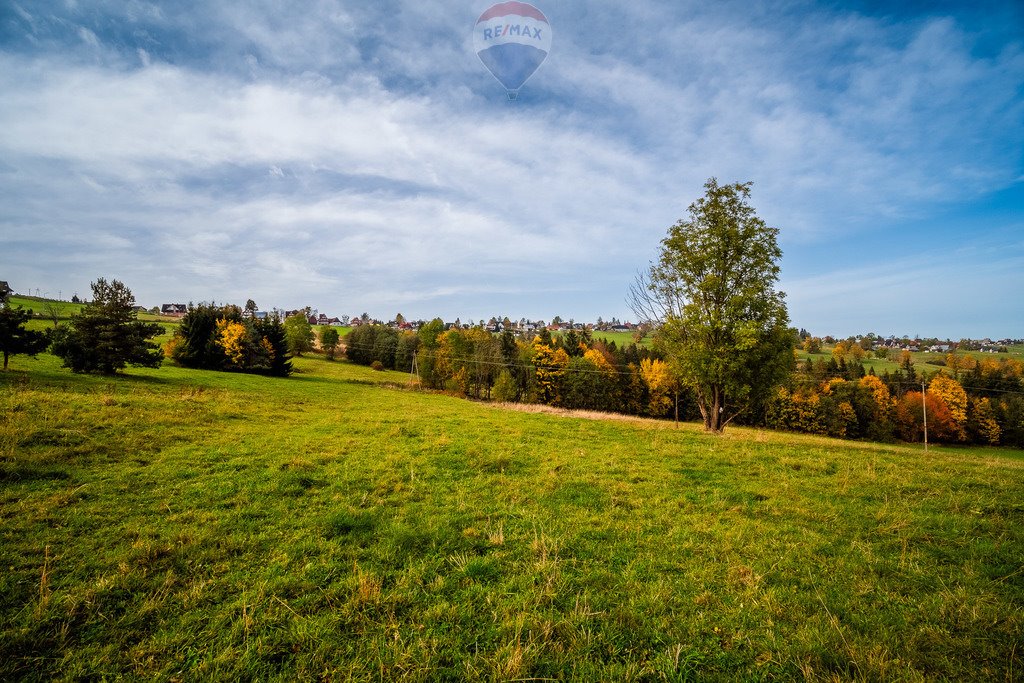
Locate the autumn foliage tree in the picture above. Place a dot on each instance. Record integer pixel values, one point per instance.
(948, 391)
(982, 425)
(222, 338)
(660, 385)
(551, 365)
(910, 417)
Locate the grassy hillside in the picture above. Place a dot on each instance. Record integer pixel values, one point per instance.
(65, 309)
(187, 525)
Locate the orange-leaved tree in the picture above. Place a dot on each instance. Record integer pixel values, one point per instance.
(952, 393)
(910, 418)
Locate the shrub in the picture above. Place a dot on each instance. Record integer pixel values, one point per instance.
(505, 389)
(377, 365)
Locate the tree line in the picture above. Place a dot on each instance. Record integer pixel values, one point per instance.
(964, 400)
(212, 337)
(570, 370)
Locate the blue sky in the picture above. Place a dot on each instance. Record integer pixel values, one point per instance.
(358, 157)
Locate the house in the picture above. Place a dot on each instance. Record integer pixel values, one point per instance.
(174, 310)
(5, 291)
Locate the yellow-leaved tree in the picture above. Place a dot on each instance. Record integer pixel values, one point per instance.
(982, 422)
(550, 366)
(660, 384)
(882, 397)
(231, 338)
(955, 398)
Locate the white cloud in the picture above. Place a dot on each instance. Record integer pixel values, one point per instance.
(338, 160)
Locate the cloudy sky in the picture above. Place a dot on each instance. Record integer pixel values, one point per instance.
(356, 156)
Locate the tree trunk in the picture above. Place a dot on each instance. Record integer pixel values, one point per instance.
(5, 360)
(713, 413)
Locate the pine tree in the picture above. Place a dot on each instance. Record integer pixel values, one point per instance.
(106, 336)
(14, 338)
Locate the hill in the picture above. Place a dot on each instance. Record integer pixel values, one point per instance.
(184, 524)
(42, 307)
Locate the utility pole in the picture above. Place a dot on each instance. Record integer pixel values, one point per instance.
(924, 412)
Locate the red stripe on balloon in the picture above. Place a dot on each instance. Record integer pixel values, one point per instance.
(518, 8)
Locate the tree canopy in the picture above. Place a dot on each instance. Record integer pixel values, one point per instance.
(106, 336)
(711, 295)
(15, 338)
(299, 333)
(214, 337)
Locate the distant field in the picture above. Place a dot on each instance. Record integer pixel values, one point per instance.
(620, 338)
(65, 309)
(183, 525)
(342, 331)
(922, 360)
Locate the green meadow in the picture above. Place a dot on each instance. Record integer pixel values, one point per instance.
(41, 308)
(175, 524)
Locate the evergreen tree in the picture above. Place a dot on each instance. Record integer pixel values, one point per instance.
(14, 338)
(197, 338)
(272, 331)
(106, 336)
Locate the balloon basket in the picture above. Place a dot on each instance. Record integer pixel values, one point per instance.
(513, 95)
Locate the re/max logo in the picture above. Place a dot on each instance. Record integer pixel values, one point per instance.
(512, 30)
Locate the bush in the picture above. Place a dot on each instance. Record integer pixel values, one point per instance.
(377, 365)
(505, 389)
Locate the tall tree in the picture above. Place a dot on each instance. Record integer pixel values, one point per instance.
(106, 336)
(711, 294)
(14, 338)
(299, 333)
(329, 341)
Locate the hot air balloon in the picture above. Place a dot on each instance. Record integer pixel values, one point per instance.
(512, 39)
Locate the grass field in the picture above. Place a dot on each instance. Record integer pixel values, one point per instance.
(65, 309)
(183, 525)
(621, 339)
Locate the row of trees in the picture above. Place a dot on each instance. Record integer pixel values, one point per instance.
(214, 337)
(722, 328)
(103, 338)
(107, 336)
(570, 370)
(968, 401)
